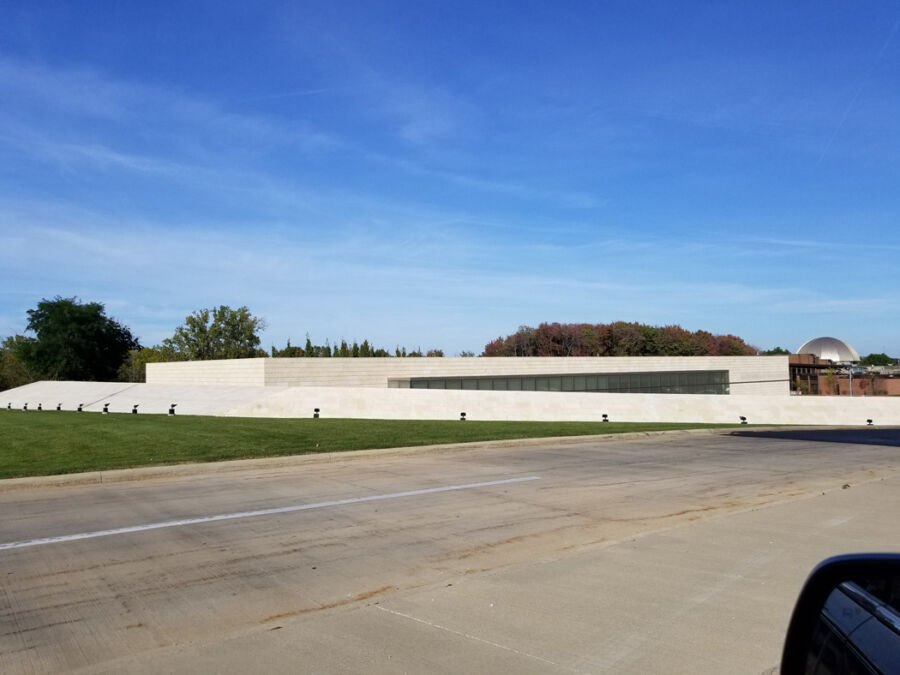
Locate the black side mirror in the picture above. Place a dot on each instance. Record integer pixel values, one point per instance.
(847, 618)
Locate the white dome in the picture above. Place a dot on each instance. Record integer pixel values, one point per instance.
(829, 348)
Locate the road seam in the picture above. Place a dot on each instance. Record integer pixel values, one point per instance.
(469, 636)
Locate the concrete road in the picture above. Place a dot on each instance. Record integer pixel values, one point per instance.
(676, 554)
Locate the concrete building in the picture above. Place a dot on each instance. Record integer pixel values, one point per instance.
(628, 389)
(805, 371)
(671, 389)
(715, 375)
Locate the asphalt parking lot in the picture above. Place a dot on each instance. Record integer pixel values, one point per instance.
(678, 553)
(865, 436)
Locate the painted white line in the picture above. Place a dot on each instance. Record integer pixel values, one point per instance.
(252, 514)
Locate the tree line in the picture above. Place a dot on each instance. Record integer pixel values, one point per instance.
(616, 339)
(347, 350)
(72, 340)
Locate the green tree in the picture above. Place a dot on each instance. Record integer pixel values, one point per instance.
(134, 368)
(777, 351)
(13, 372)
(288, 352)
(876, 360)
(75, 341)
(219, 333)
(652, 340)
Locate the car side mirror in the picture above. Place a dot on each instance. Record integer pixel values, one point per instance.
(847, 618)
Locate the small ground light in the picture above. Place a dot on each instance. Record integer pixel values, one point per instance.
(134, 409)
(869, 422)
(743, 420)
(106, 408)
(462, 417)
(80, 406)
(40, 406)
(605, 417)
(25, 407)
(58, 407)
(9, 406)
(315, 413)
(172, 408)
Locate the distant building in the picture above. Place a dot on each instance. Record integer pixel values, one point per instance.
(862, 385)
(831, 349)
(805, 371)
(825, 365)
(810, 365)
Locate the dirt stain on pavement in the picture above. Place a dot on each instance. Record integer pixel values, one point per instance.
(340, 603)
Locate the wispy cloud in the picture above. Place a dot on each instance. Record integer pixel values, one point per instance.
(663, 170)
(493, 286)
(564, 198)
(181, 122)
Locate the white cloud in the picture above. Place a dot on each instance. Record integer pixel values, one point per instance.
(183, 123)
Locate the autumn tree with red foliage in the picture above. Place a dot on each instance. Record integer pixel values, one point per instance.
(615, 339)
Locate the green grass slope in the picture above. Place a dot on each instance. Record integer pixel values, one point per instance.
(47, 443)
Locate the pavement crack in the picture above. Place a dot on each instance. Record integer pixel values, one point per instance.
(469, 636)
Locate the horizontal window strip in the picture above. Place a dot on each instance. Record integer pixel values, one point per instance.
(662, 382)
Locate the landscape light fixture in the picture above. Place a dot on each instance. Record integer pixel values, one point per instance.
(869, 423)
(9, 406)
(40, 407)
(58, 407)
(172, 408)
(106, 408)
(134, 409)
(462, 417)
(743, 420)
(605, 417)
(80, 406)
(25, 407)
(315, 413)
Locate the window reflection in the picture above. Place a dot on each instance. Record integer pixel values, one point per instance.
(669, 382)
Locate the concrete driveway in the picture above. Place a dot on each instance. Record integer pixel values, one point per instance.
(679, 553)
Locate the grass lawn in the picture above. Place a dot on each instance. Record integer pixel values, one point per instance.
(49, 442)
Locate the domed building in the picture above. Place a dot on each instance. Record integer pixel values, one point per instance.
(831, 349)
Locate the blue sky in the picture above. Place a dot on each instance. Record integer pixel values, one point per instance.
(437, 174)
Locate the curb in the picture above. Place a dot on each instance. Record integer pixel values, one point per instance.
(233, 466)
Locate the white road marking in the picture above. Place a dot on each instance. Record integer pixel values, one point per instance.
(251, 514)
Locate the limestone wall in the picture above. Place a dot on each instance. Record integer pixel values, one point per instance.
(372, 403)
(362, 402)
(229, 372)
(152, 399)
(759, 375)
